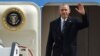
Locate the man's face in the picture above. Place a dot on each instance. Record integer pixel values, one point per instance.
(64, 11)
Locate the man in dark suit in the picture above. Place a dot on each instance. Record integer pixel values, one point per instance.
(63, 32)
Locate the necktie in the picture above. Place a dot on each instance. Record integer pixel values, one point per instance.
(63, 27)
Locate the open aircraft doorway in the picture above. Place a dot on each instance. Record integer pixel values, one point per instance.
(88, 39)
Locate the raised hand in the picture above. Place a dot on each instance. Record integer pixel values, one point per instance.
(80, 9)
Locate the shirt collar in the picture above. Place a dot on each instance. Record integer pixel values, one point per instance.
(63, 19)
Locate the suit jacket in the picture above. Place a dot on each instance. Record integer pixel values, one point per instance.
(61, 43)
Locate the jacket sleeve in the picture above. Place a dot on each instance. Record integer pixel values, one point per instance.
(84, 23)
(49, 42)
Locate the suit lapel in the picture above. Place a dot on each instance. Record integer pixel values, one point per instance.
(69, 22)
(59, 25)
